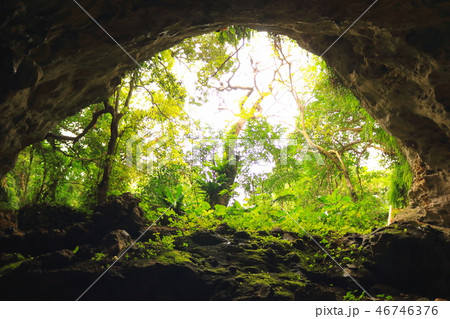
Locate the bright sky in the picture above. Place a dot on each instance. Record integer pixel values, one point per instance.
(219, 112)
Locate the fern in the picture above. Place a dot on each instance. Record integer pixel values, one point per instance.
(401, 180)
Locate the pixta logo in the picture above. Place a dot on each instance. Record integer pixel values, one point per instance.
(141, 153)
(146, 155)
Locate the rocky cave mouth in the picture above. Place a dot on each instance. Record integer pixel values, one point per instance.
(52, 68)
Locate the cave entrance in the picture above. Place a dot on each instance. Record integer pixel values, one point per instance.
(229, 122)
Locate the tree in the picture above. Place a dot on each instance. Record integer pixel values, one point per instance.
(331, 120)
(117, 112)
(75, 166)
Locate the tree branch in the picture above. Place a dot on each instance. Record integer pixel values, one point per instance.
(227, 59)
(108, 108)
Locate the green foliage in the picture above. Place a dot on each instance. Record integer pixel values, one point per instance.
(172, 199)
(14, 265)
(9, 198)
(163, 189)
(353, 296)
(98, 256)
(384, 297)
(345, 214)
(234, 34)
(319, 179)
(401, 180)
(160, 248)
(217, 183)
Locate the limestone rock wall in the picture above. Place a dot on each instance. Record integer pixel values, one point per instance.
(55, 61)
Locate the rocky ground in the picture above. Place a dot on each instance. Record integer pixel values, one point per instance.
(55, 253)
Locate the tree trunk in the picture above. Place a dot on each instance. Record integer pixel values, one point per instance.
(231, 157)
(334, 156)
(103, 186)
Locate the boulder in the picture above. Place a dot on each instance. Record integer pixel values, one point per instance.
(116, 241)
(120, 212)
(225, 229)
(56, 259)
(242, 235)
(207, 238)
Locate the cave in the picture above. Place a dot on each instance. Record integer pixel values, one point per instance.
(56, 60)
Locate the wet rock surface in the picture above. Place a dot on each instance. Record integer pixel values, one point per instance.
(407, 261)
(116, 242)
(45, 217)
(55, 61)
(120, 212)
(207, 238)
